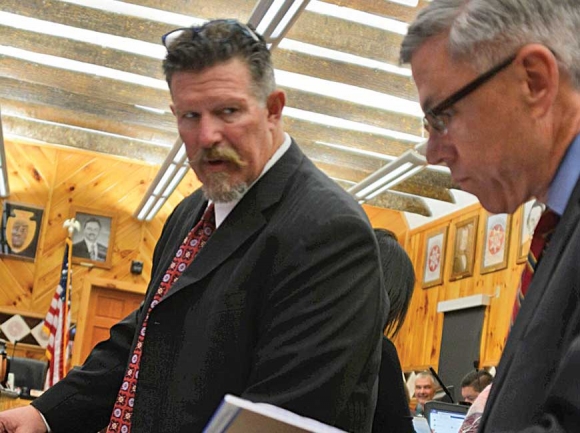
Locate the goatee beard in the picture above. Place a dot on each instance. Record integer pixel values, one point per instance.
(218, 190)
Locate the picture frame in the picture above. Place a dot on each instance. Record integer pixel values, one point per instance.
(93, 243)
(530, 213)
(435, 241)
(21, 224)
(463, 257)
(495, 242)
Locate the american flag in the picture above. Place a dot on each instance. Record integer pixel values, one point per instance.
(57, 324)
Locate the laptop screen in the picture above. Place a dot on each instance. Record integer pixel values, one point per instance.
(445, 417)
(446, 422)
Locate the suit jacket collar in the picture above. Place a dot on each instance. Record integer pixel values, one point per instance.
(246, 219)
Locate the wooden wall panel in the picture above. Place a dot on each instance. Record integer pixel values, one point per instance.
(59, 179)
(419, 340)
(388, 219)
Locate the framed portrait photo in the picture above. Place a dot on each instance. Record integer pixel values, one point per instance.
(93, 243)
(464, 248)
(434, 257)
(20, 230)
(495, 242)
(530, 214)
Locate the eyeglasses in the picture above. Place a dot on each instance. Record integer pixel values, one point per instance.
(436, 118)
(169, 39)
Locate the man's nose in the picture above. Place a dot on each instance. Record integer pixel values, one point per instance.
(435, 152)
(209, 132)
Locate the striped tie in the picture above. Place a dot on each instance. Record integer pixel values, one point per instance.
(542, 235)
(195, 240)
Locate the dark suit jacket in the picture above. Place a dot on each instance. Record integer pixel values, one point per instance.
(282, 305)
(80, 249)
(537, 387)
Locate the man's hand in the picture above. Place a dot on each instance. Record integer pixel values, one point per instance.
(22, 420)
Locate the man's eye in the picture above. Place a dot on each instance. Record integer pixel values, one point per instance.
(229, 110)
(190, 115)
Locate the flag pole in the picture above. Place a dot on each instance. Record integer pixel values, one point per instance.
(71, 225)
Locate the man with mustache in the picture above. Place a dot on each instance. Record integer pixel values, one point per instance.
(499, 82)
(282, 299)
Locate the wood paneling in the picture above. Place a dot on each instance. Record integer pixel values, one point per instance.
(418, 342)
(58, 179)
(388, 219)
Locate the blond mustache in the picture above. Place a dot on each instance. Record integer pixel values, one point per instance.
(223, 153)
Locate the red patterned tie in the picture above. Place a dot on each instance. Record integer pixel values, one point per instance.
(191, 245)
(540, 240)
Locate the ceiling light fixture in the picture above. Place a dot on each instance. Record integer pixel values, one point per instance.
(395, 172)
(172, 171)
(273, 18)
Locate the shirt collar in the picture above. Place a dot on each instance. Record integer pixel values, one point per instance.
(222, 210)
(563, 184)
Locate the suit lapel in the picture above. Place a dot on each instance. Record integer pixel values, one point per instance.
(539, 288)
(245, 220)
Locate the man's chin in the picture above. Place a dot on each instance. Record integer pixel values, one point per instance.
(224, 193)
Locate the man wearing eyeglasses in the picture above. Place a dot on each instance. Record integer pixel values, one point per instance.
(276, 298)
(499, 82)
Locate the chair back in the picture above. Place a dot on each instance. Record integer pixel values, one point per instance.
(28, 373)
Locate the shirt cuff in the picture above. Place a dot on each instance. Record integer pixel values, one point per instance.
(44, 420)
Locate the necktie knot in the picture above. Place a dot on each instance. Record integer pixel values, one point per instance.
(546, 225)
(208, 216)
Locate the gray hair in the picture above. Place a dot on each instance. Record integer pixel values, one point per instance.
(484, 32)
(219, 41)
(426, 375)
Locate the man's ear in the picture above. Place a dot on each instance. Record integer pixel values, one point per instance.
(172, 108)
(542, 77)
(275, 105)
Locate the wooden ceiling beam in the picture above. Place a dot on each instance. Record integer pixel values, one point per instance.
(238, 9)
(82, 52)
(312, 28)
(82, 119)
(409, 186)
(383, 8)
(144, 66)
(84, 84)
(355, 75)
(131, 94)
(347, 73)
(346, 137)
(403, 203)
(435, 177)
(347, 36)
(354, 112)
(21, 92)
(336, 171)
(88, 18)
(84, 139)
(319, 152)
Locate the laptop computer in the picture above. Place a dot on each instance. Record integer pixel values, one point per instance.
(445, 417)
